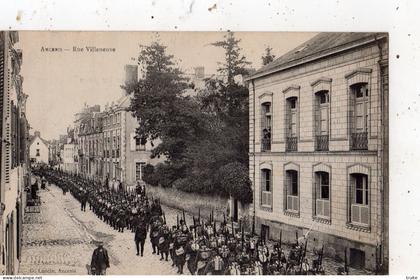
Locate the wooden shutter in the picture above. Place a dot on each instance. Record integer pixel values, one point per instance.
(132, 141)
(6, 107)
(324, 120)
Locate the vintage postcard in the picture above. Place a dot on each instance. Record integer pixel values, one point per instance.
(196, 153)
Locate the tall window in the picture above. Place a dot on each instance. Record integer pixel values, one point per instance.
(359, 191)
(266, 188)
(292, 191)
(291, 123)
(139, 146)
(37, 153)
(266, 126)
(118, 144)
(322, 191)
(360, 116)
(322, 120)
(139, 170)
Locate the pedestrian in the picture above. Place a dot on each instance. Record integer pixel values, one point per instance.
(140, 237)
(83, 200)
(100, 260)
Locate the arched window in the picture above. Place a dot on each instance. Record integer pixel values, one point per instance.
(292, 190)
(359, 199)
(291, 123)
(266, 188)
(322, 194)
(322, 120)
(359, 95)
(266, 123)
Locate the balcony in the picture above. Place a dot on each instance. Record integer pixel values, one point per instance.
(359, 141)
(322, 142)
(291, 144)
(265, 144)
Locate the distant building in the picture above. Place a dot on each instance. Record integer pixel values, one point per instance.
(319, 146)
(68, 153)
(39, 149)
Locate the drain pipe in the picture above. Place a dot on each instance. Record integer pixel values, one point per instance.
(253, 152)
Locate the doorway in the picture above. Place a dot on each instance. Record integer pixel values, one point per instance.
(265, 232)
(357, 258)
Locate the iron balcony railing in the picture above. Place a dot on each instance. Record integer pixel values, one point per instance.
(265, 144)
(359, 141)
(322, 142)
(291, 144)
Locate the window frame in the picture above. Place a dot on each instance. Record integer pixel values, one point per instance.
(266, 179)
(288, 185)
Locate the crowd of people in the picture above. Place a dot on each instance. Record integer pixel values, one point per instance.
(203, 247)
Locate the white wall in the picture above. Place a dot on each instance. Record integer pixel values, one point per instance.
(43, 150)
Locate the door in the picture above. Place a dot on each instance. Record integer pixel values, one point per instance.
(265, 232)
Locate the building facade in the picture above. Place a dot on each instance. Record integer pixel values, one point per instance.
(90, 137)
(14, 161)
(39, 149)
(319, 146)
(107, 146)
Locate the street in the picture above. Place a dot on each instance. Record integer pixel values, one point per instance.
(59, 241)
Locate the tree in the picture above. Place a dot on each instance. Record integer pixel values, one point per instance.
(268, 57)
(234, 179)
(235, 63)
(157, 99)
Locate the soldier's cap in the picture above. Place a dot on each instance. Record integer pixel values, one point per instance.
(98, 242)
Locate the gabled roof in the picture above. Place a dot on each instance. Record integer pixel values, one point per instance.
(321, 45)
(33, 137)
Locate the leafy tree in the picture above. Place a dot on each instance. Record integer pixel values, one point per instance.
(234, 179)
(268, 57)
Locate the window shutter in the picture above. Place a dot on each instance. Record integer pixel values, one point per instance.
(132, 141)
(262, 180)
(6, 106)
(262, 115)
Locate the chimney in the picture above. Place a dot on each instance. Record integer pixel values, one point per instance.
(131, 74)
(37, 134)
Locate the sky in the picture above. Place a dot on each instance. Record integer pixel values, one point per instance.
(60, 83)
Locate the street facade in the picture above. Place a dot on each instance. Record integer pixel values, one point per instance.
(319, 146)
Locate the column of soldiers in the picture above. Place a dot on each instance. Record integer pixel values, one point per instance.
(203, 247)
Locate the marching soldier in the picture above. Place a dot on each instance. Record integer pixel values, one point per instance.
(140, 237)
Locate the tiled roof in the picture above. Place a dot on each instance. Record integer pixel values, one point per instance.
(320, 45)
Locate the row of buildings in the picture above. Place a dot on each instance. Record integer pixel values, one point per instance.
(14, 151)
(318, 139)
(102, 144)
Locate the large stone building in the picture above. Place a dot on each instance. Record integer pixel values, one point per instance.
(14, 155)
(107, 146)
(319, 146)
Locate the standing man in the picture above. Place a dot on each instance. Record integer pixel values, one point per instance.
(83, 200)
(140, 236)
(100, 260)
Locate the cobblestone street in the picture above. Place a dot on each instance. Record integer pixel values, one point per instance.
(59, 241)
